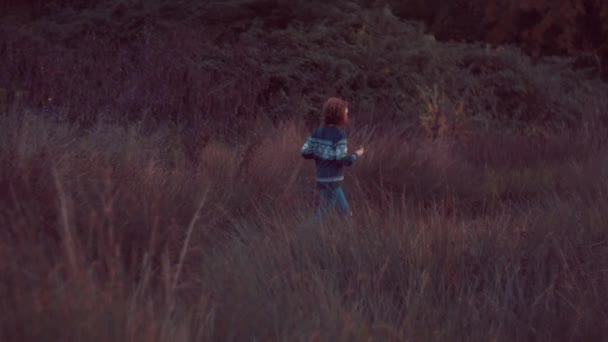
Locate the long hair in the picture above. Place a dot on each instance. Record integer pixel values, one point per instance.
(334, 112)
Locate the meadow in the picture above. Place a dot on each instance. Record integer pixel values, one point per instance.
(150, 195)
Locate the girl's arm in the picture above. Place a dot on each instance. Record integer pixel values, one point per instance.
(349, 160)
(341, 154)
(306, 151)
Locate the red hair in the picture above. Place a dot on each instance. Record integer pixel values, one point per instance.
(334, 111)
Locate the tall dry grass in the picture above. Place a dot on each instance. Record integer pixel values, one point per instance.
(152, 189)
(117, 233)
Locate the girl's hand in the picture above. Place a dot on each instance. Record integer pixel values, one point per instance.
(360, 151)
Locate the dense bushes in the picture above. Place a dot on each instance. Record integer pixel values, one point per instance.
(183, 63)
(576, 28)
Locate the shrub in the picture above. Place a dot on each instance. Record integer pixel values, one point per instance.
(161, 63)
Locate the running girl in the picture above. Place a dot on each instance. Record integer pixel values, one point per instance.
(327, 146)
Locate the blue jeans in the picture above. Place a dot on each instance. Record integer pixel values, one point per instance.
(331, 198)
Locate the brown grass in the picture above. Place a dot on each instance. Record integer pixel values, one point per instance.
(152, 188)
(113, 234)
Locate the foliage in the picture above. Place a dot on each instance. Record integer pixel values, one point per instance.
(153, 188)
(198, 65)
(575, 28)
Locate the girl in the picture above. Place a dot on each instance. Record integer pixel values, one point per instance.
(327, 145)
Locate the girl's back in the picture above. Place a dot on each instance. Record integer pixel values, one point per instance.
(328, 146)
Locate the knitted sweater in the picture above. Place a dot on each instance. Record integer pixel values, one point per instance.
(327, 145)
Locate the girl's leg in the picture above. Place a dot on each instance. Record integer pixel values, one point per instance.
(342, 204)
(327, 202)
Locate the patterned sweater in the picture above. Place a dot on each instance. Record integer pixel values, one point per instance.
(327, 145)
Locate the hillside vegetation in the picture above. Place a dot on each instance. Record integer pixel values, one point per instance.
(153, 188)
(577, 28)
(156, 61)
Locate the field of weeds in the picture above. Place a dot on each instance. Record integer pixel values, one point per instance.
(112, 234)
(149, 195)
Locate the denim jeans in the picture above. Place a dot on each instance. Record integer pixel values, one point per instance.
(331, 198)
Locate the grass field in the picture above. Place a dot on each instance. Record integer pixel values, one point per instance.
(152, 189)
(112, 233)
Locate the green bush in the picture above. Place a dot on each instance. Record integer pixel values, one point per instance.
(278, 60)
